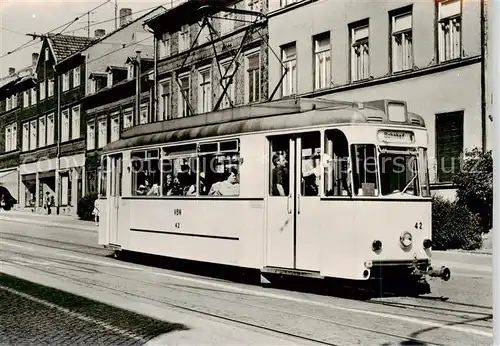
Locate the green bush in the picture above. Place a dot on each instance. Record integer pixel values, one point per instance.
(454, 226)
(85, 207)
(474, 184)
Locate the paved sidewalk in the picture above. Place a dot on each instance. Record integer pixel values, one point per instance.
(204, 330)
(47, 220)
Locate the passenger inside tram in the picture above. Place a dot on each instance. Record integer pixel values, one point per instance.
(228, 187)
(311, 176)
(280, 182)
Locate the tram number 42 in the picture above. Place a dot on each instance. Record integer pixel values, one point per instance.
(418, 225)
(177, 225)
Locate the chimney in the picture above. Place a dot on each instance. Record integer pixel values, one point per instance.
(34, 58)
(125, 16)
(12, 70)
(99, 33)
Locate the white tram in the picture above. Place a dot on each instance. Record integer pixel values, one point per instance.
(306, 187)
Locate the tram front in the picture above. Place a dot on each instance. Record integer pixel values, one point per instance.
(392, 224)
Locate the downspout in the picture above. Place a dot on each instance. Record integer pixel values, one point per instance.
(483, 78)
(58, 162)
(154, 110)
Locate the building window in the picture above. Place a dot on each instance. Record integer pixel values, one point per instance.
(26, 136)
(449, 29)
(226, 22)
(284, 3)
(46, 54)
(76, 76)
(402, 42)
(26, 98)
(165, 45)
(75, 122)
(11, 137)
(102, 139)
(360, 54)
(90, 136)
(130, 71)
(110, 79)
(322, 63)
(51, 87)
(184, 93)
(50, 129)
(42, 90)
(65, 82)
(253, 78)
(8, 104)
(33, 133)
(65, 126)
(33, 96)
(166, 100)
(128, 114)
(229, 96)
(184, 38)
(449, 144)
(8, 138)
(205, 91)
(115, 128)
(289, 58)
(143, 116)
(14, 101)
(41, 132)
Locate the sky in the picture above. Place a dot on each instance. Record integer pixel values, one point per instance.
(19, 17)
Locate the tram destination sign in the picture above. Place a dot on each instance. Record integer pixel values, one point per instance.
(401, 137)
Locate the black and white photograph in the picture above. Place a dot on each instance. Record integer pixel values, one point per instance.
(249, 172)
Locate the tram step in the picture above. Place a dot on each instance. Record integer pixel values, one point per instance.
(295, 272)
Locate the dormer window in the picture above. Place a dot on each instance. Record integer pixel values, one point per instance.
(130, 71)
(110, 79)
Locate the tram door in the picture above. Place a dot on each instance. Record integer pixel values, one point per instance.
(114, 196)
(293, 201)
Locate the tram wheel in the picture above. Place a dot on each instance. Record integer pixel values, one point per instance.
(117, 254)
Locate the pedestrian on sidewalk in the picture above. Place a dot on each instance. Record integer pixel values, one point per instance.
(48, 202)
(96, 211)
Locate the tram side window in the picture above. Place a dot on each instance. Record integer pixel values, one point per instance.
(104, 176)
(146, 173)
(279, 182)
(179, 176)
(219, 168)
(310, 164)
(337, 168)
(364, 169)
(424, 173)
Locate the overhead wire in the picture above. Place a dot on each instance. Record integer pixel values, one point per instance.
(66, 25)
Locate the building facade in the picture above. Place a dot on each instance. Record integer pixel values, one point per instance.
(209, 61)
(426, 53)
(16, 100)
(52, 145)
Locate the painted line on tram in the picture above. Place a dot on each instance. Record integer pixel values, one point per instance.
(282, 297)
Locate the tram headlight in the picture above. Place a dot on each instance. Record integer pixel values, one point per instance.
(376, 245)
(427, 243)
(405, 239)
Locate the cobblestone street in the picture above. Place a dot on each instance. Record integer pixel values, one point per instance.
(36, 315)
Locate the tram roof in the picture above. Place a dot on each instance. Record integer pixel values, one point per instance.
(266, 116)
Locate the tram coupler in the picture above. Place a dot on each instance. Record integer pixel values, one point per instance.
(444, 273)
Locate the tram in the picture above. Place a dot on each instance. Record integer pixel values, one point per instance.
(307, 186)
